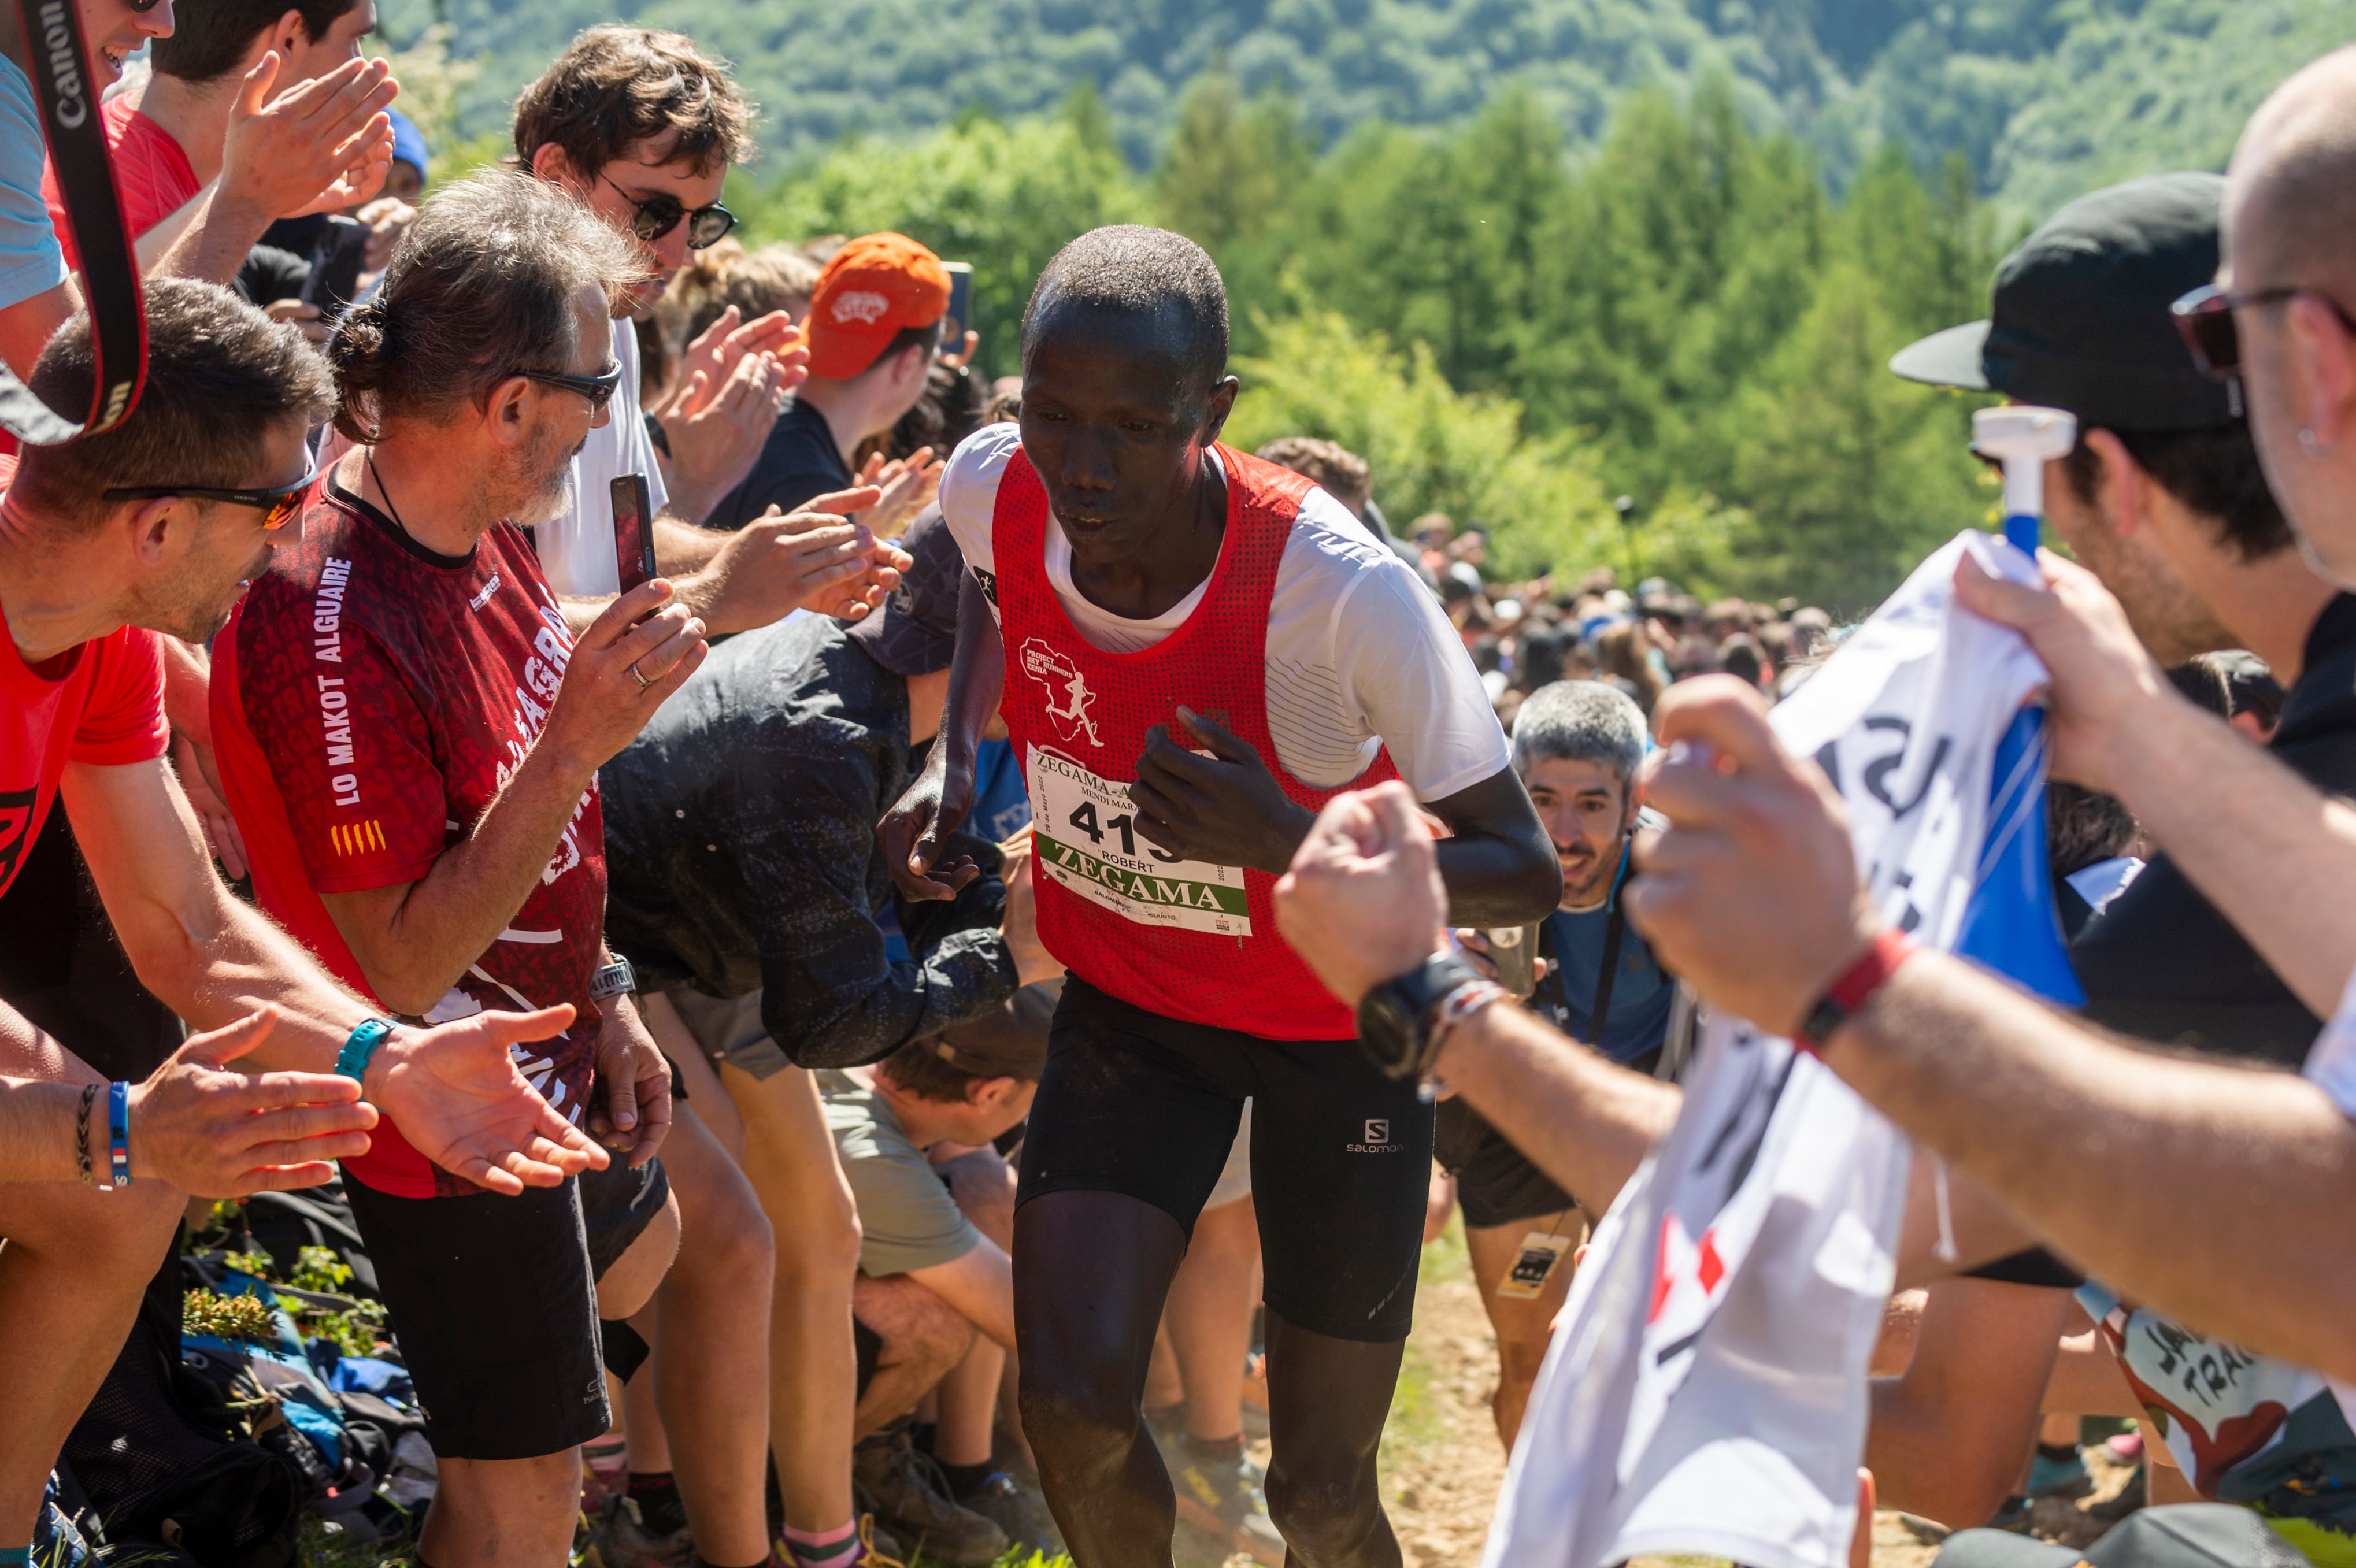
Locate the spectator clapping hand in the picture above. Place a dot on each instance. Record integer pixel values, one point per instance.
(816, 558)
(320, 147)
(1751, 894)
(463, 1103)
(215, 1133)
(908, 484)
(388, 219)
(1362, 902)
(717, 421)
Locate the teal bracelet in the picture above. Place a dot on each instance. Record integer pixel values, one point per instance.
(353, 1060)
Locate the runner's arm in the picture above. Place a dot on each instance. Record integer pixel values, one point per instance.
(938, 799)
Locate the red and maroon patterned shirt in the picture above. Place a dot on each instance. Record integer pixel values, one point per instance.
(371, 698)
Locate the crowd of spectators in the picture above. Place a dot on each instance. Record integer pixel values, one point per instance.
(373, 822)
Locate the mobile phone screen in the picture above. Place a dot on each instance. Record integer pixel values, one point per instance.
(961, 310)
(634, 537)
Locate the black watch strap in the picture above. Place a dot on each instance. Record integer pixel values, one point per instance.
(1399, 1019)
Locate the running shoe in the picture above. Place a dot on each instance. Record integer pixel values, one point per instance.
(2060, 1477)
(1018, 1510)
(622, 1541)
(1222, 1497)
(2126, 1447)
(912, 1497)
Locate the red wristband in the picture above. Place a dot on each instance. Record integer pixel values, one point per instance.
(1855, 983)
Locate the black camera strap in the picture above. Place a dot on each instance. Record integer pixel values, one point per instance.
(1615, 927)
(43, 39)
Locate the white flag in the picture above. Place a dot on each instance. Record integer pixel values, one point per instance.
(1705, 1389)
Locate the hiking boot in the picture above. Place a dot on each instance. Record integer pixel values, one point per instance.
(2059, 1477)
(912, 1497)
(1222, 1495)
(1018, 1510)
(622, 1541)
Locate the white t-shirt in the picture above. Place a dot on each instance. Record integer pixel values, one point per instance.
(1359, 653)
(576, 546)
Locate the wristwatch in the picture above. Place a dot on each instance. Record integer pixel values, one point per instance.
(613, 980)
(1402, 1021)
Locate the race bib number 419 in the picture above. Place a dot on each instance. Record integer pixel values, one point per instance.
(1087, 840)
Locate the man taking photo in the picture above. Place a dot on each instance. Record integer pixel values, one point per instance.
(410, 738)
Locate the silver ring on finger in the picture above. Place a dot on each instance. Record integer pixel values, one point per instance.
(644, 684)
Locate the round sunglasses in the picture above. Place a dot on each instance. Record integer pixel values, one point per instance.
(656, 215)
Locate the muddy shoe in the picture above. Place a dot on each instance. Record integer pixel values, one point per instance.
(913, 1499)
(1218, 1490)
(1018, 1510)
(622, 1541)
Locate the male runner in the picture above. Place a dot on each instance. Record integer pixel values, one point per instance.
(1194, 650)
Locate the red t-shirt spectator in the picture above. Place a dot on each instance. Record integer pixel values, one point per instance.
(151, 174)
(100, 701)
(370, 699)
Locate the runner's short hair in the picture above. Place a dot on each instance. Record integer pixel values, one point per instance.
(1128, 269)
(1580, 721)
(619, 86)
(209, 40)
(221, 377)
(920, 1068)
(483, 286)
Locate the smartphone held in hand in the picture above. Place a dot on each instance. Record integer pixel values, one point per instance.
(633, 531)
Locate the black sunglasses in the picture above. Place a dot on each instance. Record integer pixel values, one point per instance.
(278, 504)
(2204, 319)
(659, 215)
(599, 388)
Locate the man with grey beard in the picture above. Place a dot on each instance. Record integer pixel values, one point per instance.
(410, 736)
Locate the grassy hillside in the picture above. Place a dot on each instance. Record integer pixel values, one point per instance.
(2044, 98)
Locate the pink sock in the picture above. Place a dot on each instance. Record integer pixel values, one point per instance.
(824, 1548)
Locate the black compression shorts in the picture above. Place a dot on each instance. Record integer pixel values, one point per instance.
(1134, 1102)
(1494, 1181)
(492, 1301)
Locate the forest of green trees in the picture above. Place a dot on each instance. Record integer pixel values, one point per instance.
(1688, 320)
(1615, 280)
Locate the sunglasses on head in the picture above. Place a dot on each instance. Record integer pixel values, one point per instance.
(278, 504)
(657, 216)
(2204, 319)
(598, 389)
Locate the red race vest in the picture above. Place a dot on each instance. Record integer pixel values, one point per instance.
(1185, 939)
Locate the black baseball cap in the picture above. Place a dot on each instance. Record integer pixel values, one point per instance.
(2080, 319)
(914, 632)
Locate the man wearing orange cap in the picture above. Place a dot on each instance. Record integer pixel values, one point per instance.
(875, 325)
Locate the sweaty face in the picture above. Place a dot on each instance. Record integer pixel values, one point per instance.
(1114, 425)
(1586, 812)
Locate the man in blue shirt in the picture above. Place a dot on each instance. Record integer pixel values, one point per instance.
(1576, 746)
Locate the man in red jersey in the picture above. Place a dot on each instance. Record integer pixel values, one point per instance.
(410, 738)
(104, 542)
(1194, 650)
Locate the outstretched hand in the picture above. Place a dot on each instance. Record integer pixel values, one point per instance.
(816, 558)
(214, 1133)
(1226, 808)
(322, 146)
(457, 1096)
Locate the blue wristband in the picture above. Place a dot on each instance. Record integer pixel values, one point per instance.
(118, 1131)
(353, 1060)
